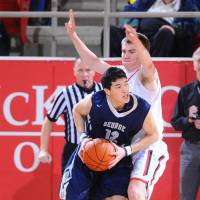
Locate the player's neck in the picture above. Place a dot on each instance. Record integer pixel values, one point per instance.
(121, 107)
(118, 106)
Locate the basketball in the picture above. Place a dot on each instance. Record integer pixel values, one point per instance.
(97, 154)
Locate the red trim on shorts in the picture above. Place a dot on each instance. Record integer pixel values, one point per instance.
(139, 179)
(160, 159)
(133, 74)
(146, 169)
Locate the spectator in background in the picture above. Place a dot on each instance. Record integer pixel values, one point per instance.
(62, 5)
(4, 40)
(168, 36)
(63, 105)
(197, 42)
(197, 2)
(40, 5)
(186, 118)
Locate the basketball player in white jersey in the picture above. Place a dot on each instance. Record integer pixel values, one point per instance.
(143, 79)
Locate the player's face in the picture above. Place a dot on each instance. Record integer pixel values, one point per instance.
(118, 94)
(129, 56)
(197, 66)
(84, 75)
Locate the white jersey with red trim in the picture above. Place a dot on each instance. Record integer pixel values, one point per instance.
(152, 97)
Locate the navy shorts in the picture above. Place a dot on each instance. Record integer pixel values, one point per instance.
(68, 149)
(80, 183)
(112, 182)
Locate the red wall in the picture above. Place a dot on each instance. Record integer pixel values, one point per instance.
(25, 88)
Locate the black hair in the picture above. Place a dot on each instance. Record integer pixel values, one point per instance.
(111, 75)
(142, 38)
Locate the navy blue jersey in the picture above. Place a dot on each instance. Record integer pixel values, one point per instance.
(118, 127)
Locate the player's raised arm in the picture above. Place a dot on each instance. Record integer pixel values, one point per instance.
(87, 56)
(148, 70)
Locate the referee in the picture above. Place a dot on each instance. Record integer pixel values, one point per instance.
(63, 104)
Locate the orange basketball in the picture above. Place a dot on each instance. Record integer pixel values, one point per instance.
(97, 154)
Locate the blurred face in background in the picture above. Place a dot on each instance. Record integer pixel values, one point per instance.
(196, 63)
(83, 74)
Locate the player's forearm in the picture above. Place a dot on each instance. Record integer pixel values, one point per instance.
(87, 56)
(145, 59)
(144, 143)
(148, 67)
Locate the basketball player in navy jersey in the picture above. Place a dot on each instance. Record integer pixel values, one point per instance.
(143, 81)
(128, 114)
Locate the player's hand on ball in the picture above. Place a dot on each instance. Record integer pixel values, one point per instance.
(131, 33)
(119, 153)
(44, 157)
(83, 143)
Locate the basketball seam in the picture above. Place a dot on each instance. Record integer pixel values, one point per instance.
(95, 164)
(100, 160)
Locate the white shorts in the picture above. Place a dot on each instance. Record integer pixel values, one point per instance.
(149, 165)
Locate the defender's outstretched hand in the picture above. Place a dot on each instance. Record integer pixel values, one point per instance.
(131, 33)
(71, 25)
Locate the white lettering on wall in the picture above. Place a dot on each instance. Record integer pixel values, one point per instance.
(7, 111)
(42, 105)
(17, 157)
(167, 89)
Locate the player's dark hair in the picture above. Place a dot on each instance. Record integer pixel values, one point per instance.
(111, 75)
(142, 38)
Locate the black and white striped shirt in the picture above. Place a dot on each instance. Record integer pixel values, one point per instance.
(63, 104)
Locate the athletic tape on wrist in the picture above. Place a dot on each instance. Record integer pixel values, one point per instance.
(83, 136)
(128, 150)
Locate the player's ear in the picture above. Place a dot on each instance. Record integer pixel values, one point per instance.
(107, 91)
